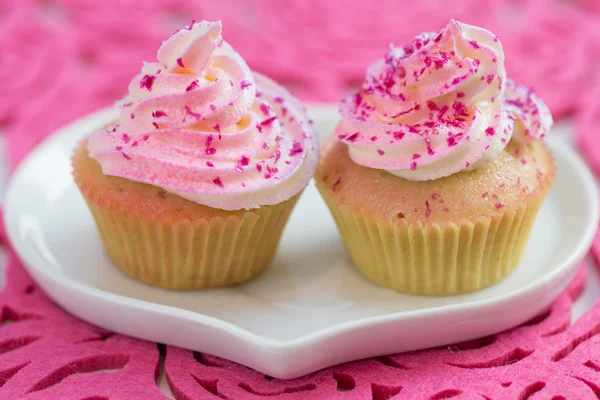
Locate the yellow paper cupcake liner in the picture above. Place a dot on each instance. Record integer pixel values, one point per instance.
(205, 252)
(432, 258)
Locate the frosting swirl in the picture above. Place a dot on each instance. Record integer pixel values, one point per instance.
(440, 105)
(200, 124)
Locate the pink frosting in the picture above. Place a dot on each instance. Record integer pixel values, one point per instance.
(440, 105)
(199, 123)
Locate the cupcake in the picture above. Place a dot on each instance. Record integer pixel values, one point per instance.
(436, 171)
(193, 184)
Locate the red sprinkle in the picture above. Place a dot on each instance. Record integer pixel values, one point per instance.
(490, 131)
(217, 128)
(245, 160)
(258, 167)
(126, 156)
(416, 156)
(278, 100)
(499, 205)
(335, 185)
(352, 137)
(217, 181)
(413, 166)
(192, 113)
(192, 86)
(296, 149)
(119, 148)
(158, 114)
(145, 137)
(132, 116)
(155, 125)
(460, 94)
(373, 138)
(146, 82)
(380, 152)
(210, 164)
(180, 62)
(213, 107)
(268, 121)
(244, 84)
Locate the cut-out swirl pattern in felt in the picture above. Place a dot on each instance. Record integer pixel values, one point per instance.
(60, 59)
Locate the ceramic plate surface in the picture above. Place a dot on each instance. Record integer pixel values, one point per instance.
(311, 309)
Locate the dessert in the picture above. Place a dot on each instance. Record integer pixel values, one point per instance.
(192, 186)
(436, 171)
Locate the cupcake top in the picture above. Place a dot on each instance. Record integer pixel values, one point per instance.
(439, 105)
(200, 124)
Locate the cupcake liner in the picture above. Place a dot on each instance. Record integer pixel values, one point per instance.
(430, 258)
(186, 254)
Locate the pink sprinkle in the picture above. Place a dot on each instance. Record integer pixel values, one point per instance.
(146, 82)
(413, 166)
(484, 195)
(126, 156)
(192, 86)
(277, 156)
(126, 138)
(278, 100)
(132, 116)
(230, 82)
(432, 106)
(209, 151)
(517, 152)
(427, 209)
(268, 176)
(474, 44)
(352, 137)
(272, 170)
(134, 144)
(268, 121)
(192, 113)
(373, 138)
(288, 162)
(430, 151)
(258, 167)
(119, 148)
(435, 196)
(244, 84)
(490, 79)
(380, 152)
(523, 161)
(467, 164)
(213, 107)
(245, 160)
(155, 125)
(217, 128)
(264, 108)
(145, 137)
(490, 131)
(259, 127)
(539, 173)
(499, 205)
(398, 135)
(158, 114)
(217, 181)
(180, 62)
(296, 149)
(460, 94)
(416, 156)
(191, 25)
(265, 146)
(210, 164)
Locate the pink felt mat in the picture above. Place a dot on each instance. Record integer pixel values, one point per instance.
(60, 59)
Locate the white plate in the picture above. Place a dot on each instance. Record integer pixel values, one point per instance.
(311, 309)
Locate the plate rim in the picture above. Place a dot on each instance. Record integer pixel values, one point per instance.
(265, 343)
